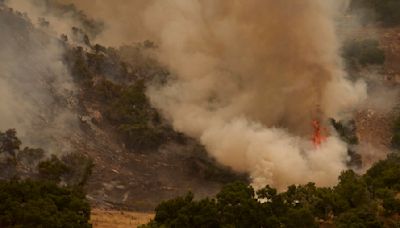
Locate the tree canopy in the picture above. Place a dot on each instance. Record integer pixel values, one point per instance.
(40, 192)
(367, 200)
(42, 204)
(385, 11)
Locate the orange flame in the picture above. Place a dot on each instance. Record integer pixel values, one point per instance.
(317, 138)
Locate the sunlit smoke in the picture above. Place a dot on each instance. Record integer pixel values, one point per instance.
(246, 78)
(248, 75)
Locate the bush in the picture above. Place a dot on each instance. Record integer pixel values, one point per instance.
(351, 192)
(9, 143)
(41, 204)
(137, 122)
(184, 212)
(346, 131)
(73, 169)
(386, 11)
(118, 88)
(106, 91)
(52, 169)
(363, 53)
(236, 205)
(79, 168)
(385, 174)
(396, 134)
(356, 201)
(30, 157)
(359, 217)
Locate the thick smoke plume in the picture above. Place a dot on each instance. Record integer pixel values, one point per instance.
(35, 86)
(249, 78)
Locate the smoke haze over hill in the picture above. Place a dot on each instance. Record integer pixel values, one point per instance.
(35, 85)
(248, 78)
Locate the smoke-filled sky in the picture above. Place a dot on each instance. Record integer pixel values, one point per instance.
(248, 78)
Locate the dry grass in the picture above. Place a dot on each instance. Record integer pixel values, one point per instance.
(118, 219)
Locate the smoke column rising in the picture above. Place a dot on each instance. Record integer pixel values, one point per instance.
(249, 78)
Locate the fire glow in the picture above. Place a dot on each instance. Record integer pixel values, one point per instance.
(318, 138)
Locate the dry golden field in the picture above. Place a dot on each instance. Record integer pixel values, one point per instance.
(118, 219)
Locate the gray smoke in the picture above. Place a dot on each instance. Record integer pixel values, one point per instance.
(36, 88)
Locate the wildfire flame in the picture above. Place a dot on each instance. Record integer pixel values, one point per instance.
(317, 138)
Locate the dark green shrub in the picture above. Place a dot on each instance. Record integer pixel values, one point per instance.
(347, 131)
(79, 168)
(358, 217)
(385, 11)
(396, 134)
(385, 174)
(185, 212)
(106, 91)
(236, 205)
(52, 169)
(41, 204)
(9, 143)
(137, 122)
(356, 201)
(363, 52)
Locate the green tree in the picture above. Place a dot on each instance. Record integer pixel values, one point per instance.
(184, 212)
(362, 217)
(385, 11)
(299, 218)
(238, 206)
(396, 134)
(9, 143)
(41, 204)
(52, 169)
(384, 174)
(362, 53)
(351, 192)
(137, 122)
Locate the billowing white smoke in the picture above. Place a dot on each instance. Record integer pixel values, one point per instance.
(249, 78)
(35, 86)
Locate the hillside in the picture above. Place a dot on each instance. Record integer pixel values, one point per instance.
(138, 177)
(224, 116)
